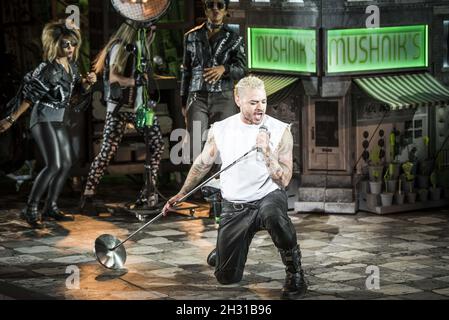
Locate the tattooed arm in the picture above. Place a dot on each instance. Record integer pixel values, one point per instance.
(199, 169)
(279, 162)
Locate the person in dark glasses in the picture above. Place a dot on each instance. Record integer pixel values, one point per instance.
(47, 90)
(214, 59)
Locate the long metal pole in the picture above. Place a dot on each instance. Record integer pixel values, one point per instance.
(183, 198)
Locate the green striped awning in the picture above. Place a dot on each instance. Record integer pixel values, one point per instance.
(275, 83)
(405, 91)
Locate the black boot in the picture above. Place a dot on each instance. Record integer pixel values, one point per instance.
(87, 205)
(212, 258)
(295, 285)
(31, 216)
(53, 211)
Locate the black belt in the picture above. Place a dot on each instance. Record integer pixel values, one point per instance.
(240, 206)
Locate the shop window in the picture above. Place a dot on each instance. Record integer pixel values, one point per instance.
(418, 134)
(326, 123)
(414, 129)
(446, 45)
(292, 2)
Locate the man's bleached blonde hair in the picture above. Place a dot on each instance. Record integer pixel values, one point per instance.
(249, 82)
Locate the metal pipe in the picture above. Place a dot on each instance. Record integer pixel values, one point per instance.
(183, 198)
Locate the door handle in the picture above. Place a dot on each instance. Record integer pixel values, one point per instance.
(313, 133)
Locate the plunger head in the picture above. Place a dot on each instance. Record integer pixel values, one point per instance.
(111, 259)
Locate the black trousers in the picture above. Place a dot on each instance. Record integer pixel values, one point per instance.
(53, 141)
(203, 110)
(238, 225)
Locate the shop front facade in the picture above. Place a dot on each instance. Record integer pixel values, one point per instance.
(362, 101)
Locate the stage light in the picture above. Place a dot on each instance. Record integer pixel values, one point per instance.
(141, 10)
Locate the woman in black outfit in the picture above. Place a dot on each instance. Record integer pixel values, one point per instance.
(48, 90)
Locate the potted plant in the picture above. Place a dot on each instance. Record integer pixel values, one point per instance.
(435, 192)
(410, 179)
(394, 165)
(423, 194)
(425, 167)
(387, 197)
(400, 195)
(375, 167)
(391, 177)
(375, 185)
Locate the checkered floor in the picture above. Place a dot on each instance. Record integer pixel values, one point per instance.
(342, 255)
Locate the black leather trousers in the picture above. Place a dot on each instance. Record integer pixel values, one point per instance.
(53, 141)
(238, 225)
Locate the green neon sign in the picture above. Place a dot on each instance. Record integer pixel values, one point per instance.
(282, 49)
(350, 50)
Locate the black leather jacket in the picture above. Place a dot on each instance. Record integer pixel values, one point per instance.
(225, 48)
(50, 86)
(49, 89)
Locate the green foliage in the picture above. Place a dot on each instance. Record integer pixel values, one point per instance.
(375, 156)
(392, 146)
(376, 175)
(387, 177)
(407, 167)
(390, 170)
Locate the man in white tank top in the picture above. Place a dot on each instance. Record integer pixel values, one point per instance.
(253, 189)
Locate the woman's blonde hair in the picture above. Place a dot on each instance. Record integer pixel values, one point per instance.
(126, 34)
(53, 33)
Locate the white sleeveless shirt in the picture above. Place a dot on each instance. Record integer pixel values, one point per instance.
(249, 179)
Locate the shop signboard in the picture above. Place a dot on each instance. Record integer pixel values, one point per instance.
(291, 50)
(376, 49)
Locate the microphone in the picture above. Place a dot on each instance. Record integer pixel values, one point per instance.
(259, 155)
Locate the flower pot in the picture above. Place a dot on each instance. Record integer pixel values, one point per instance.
(399, 198)
(392, 186)
(425, 167)
(435, 194)
(423, 181)
(411, 197)
(386, 198)
(408, 186)
(423, 195)
(372, 200)
(373, 169)
(375, 187)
